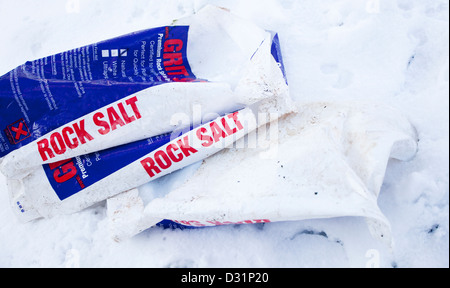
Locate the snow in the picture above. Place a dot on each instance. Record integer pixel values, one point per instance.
(392, 52)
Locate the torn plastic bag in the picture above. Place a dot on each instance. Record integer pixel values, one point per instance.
(127, 89)
(329, 160)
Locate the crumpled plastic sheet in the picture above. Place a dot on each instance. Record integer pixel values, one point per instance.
(326, 160)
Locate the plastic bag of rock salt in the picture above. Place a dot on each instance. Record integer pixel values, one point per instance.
(127, 88)
(205, 69)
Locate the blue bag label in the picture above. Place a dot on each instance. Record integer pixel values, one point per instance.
(47, 93)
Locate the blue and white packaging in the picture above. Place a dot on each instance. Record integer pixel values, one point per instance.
(78, 126)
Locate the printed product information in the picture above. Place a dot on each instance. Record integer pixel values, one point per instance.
(66, 86)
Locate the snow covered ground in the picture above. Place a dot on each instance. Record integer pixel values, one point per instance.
(391, 51)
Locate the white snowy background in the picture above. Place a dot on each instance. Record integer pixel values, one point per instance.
(392, 51)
